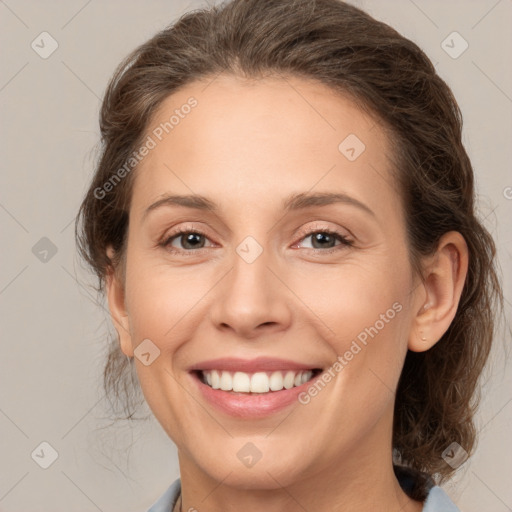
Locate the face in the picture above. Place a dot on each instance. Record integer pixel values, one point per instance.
(293, 284)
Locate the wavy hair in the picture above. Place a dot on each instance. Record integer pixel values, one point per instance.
(388, 75)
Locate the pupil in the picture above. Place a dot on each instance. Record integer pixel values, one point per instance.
(189, 239)
(322, 237)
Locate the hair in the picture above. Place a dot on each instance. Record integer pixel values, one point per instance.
(388, 75)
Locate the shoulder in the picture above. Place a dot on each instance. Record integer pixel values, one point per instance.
(420, 486)
(168, 499)
(438, 501)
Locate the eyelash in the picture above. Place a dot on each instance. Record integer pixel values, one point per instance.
(345, 242)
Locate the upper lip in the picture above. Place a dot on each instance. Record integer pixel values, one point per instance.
(251, 365)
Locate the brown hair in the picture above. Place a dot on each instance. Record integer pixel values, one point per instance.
(343, 47)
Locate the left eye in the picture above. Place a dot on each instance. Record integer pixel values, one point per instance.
(325, 239)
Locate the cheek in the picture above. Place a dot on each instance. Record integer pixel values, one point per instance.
(160, 298)
(162, 305)
(361, 310)
(356, 295)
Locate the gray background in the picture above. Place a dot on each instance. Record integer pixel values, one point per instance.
(53, 325)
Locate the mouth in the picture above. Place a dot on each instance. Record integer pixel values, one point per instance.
(259, 382)
(251, 389)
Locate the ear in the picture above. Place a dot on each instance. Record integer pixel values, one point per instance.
(440, 292)
(116, 304)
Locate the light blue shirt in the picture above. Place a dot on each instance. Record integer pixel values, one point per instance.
(437, 500)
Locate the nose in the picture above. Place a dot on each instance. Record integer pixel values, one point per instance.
(251, 300)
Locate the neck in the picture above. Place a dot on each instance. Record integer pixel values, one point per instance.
(359, 479)
(316, 494)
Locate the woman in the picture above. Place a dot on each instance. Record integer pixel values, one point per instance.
(282, 219)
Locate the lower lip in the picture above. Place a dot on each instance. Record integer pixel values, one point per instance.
(251, 405)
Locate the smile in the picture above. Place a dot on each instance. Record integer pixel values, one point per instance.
(251, 389)
(257, 382)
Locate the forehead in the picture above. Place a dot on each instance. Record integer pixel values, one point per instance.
(249, 142)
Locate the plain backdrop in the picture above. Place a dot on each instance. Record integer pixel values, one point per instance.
(53, 326)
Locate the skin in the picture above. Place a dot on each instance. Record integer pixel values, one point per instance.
(247, 146)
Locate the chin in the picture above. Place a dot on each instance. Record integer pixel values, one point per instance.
(269, 472)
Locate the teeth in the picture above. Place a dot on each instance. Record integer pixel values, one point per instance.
(288, 380)
(215, 379)
(226, 381)
(259, 382)
(276, 381)
(241, 382)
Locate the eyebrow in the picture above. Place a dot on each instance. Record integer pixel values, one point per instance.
(294, 202)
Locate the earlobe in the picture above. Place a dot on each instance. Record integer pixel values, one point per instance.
(117, 307)
(440, 293)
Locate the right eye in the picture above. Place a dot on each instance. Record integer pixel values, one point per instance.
(190, 240)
